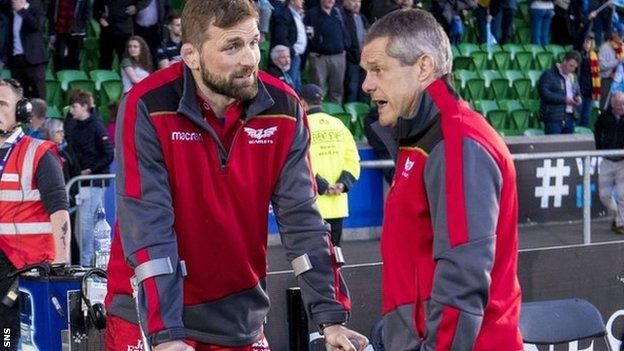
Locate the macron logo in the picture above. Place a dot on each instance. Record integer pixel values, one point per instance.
(261, 136)
(186, 136)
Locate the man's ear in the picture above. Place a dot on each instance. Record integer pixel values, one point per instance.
(426, 68)
(190, 56)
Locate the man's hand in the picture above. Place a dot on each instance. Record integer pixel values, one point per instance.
(570, 101)
(18, 4)
(131, 10)
(103, 22)
(86, 171)
(337, 336)
(176, 345)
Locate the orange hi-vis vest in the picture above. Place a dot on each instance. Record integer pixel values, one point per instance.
(25, 229)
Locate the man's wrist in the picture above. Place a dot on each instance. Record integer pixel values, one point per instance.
(322, 326)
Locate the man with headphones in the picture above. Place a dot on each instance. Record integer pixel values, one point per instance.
(34, 217)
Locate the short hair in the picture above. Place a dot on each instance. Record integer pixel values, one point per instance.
(51, 126)
(572, 55)
(81, 97)
(278, 49)
(15, 86)
(198, 15)
(39, 108)
(616, 95)
(173, 16)
(411, 34)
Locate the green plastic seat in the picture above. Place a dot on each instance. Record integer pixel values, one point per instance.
(512, 49)
(53, 92)
(6, 74)
(557, 50)
(522, 88)
(53, 112)
(485, 106)
(357, 109)
(489, 75)
(534, 76)
(455, 51)
(499, 89)
(467, 48)
(544, 60)
(94, 29)
(91, 54)
(523, 60)
(344, 117)
(112, 90)
(480, 59)
(332, 108)
(100, 75)
(533, 132)
(497, 118)
(68, 75)
(533, 48)
(501, 60)
(583, 130)
(464, 62)
(357, 129)
(475, 89)
(522, 35)
(518, 114)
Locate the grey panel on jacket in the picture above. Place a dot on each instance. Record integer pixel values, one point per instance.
(303, 231)
(462, 274)
(399, 325)
(147, 222)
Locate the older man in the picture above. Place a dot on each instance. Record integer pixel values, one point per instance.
(280, 57)
(609, 134)
(450, 236)
(205, 145)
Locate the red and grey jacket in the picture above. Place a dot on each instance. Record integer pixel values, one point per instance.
(182, 196)
(450, 240)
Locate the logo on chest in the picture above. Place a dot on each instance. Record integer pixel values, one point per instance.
(407, 167)
(186, 136)
(261, 135)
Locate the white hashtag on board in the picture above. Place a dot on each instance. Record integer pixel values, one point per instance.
(557, 190)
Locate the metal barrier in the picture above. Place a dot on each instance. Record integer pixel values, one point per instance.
(586, 155)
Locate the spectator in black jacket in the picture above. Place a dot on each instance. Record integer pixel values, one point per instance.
(27, 54)
(609, 134)
(559, 95)
(356, 26)
(94, 152)
(280, 59)
(149, 23)
(327, 48)
(169, 50)
(68, 20)
(116, 20)
(287, 29)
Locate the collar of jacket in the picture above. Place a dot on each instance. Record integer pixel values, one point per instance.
(422, 117)
(313, 110)
(190, 107)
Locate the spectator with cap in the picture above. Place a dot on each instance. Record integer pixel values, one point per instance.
(335, 160)
(38, 117)
(610, 55)
(280, 59)
(560, 95)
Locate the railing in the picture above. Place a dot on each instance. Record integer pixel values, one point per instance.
(586, 155)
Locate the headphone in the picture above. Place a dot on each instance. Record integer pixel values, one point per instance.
(96, 313)
(23, 108)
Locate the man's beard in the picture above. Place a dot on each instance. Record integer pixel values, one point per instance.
(286, 68)
(227, 86)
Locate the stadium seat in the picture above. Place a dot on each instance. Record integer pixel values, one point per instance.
(489, 75)
(533, 48)
(467, 48)
(464, 62)
(357, 129)
(561, 321)
(485, 106)
(518, 114)
(111, 91)
(558, 51)
(91, 54)
(583, 130)
(53, 112)
(344, 117)
(53, 92)
(357, 109)
(6, 74)
(498, 119)
(499, 89)
(544, 60)
(512, 49)
(332, 108)
(533, 132)
(523, 60)
(480, 59)
(534, 76)
(520, 83)
(502, 60)
(455, 51)
(94, 29)
(100, 75)
(475, 89)
(66, 76)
